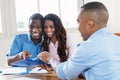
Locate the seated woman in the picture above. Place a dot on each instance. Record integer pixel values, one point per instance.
(57, 45)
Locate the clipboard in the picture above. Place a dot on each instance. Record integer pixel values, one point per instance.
(28, 63)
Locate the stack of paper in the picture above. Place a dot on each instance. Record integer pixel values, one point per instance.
(14, 70)
(38, 70)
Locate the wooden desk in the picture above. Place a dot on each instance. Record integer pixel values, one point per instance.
(34, 76)
(31, 77)
(45, 76)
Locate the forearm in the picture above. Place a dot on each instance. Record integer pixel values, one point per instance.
(69, 70)
(12, 59)
(54, 62)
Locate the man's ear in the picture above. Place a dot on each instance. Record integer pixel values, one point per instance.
(90, 25)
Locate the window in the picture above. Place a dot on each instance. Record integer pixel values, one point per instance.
(0, 25)
(69, 13)
(24, 9)
(65, 9)
(47, 6)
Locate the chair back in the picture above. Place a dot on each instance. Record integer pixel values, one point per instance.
(118, 34)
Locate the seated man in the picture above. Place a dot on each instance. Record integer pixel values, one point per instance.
(27, 45)
(98, 56)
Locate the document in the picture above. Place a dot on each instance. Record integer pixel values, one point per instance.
(38, 70)
(14, 70)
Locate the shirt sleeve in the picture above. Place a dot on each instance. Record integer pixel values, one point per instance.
(75, 65)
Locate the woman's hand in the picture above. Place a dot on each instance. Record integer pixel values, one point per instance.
(48, 68)
(44, 56)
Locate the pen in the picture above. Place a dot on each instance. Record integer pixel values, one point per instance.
(0, 71)
(39, 69)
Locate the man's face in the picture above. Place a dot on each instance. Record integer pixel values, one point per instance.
(83, 23)
(35, 29)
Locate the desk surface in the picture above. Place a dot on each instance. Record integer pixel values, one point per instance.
(31, 77)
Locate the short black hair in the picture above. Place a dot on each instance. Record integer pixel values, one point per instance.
(97, 11)
(94, 6)
(36, 16)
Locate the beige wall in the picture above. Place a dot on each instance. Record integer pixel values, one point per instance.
(4, 45)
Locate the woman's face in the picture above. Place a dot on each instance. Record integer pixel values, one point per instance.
(49, 28)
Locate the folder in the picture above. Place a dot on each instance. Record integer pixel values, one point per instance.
(28, 63)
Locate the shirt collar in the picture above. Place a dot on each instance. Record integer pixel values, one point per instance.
(98, 32)
(56, 43)
(30, 40)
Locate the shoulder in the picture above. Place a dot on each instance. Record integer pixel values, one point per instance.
(21, 36)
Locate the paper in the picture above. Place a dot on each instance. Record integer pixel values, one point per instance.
(14, 70)
(38, 70)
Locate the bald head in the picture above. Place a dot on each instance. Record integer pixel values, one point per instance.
(97, 12)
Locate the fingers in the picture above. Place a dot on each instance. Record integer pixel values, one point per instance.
(25, 55)
(44, 55)
(44, 59)
(43, 66)
(48, 68)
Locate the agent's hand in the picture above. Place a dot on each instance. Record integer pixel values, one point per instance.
(44, 56)
(25, 54)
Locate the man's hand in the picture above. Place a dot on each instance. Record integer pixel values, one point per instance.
(25, 54)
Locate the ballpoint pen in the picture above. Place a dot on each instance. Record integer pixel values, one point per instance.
(39, 69)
